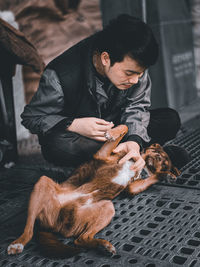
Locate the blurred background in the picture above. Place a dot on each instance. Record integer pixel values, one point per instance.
(44, 29)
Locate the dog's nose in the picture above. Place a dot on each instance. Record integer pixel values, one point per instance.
(158, 157)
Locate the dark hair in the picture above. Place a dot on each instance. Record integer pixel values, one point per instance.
(127, 35)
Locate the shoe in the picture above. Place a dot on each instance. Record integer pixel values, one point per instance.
(179, 156)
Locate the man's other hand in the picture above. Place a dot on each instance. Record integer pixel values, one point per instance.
(91, 127)
(132, 150)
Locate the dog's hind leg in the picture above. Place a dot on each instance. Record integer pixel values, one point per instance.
(98, 217)
(40, 199)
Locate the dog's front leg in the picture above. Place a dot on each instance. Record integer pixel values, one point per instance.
(114, 136)
(141, 185)
(86, 171)
(36, 204)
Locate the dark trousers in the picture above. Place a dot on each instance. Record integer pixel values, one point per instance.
(65, 148)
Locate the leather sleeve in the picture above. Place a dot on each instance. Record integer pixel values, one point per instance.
(135, 113)
(45, 109)
(136, 139)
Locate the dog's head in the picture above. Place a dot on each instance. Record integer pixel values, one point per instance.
(158, 162)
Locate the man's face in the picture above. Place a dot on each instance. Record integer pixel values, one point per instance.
(122, 74)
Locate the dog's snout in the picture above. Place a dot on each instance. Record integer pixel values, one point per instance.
(149, 160)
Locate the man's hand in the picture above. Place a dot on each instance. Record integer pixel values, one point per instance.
(132, 150)
(91, 127)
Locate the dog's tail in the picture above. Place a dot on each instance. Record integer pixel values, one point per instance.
(54, 248)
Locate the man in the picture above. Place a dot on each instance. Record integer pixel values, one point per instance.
(95, 85)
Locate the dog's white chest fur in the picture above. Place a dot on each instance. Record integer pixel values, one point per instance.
(124, 175)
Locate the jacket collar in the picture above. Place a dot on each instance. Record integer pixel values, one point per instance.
(89, 68)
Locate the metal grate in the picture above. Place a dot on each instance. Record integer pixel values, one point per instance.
(157, 228)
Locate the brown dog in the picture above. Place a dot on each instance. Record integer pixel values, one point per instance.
(81, 206)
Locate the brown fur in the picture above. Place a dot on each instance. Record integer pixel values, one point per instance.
(81, 206)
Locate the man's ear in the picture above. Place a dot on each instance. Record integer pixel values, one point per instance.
(105, 58)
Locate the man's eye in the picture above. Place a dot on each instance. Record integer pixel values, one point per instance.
(128, 73)
(131, 74)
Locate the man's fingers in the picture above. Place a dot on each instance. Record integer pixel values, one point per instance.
(118, 148)
(103, 122)
(130, 155)
(99, 138)
(125, 158)
(98, 134)
(104, 128)
(138, 165)
(137, 168)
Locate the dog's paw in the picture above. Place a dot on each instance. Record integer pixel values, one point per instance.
(114, 133)
(111, 249)
(15, 249)
(109, 136)
(107, 249)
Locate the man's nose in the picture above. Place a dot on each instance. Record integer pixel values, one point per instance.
(134, 79)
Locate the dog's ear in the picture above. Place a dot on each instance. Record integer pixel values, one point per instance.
(156, 145)
(166, 176)
(169, 176)
(175, 171)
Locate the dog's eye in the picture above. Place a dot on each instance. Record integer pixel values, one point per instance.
(158, 157)
(165, 165)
